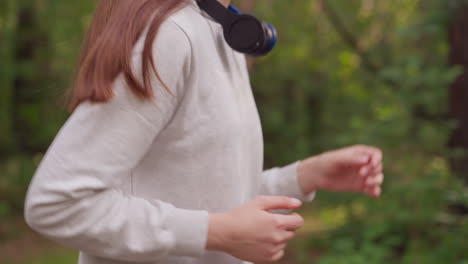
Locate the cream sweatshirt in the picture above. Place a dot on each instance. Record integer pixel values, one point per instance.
(131, 181)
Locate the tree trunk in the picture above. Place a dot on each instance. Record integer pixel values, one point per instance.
(458, 94)
(27, 78)
(6, 74)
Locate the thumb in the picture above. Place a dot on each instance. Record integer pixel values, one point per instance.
(277, 203)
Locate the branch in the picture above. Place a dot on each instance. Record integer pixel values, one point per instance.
(348, 37)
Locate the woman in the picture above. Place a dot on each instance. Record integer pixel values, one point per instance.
(161, 160)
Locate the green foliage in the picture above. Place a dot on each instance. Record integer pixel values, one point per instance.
(55, 259)
(49, 256)
(325, 96)
(389, 88)
(411, 223)
(39, 42)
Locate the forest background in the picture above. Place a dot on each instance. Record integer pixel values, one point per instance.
(393, 74)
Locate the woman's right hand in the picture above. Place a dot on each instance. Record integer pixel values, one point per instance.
(252, 233)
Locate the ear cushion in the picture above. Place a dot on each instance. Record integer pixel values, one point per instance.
(245, 34)
(270, 39)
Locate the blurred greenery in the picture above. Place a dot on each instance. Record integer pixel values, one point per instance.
(49, 258)
(344, 72)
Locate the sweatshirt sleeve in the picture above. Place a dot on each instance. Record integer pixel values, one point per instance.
(283, 181)
(74, 197)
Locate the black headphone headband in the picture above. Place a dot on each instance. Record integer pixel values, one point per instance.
(217, 11)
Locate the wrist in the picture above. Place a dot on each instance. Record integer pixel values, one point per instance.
(309, 175)
(217, 226)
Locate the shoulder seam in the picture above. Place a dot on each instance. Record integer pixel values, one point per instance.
(179, 98)
(187, 36)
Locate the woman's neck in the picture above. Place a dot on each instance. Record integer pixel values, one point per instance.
(225, 2)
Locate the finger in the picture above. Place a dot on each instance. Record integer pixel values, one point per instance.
(289, 235)
(289, 222)
(277, 202)
(278, 256)
(378, 169)
(364, 171)
(375, 181)
(273, 249)
(374, 153)
(284, 237)
(358, 159)
(279, 247)
(374, 191)
(352, 156)
(376, 157)
(370, 170)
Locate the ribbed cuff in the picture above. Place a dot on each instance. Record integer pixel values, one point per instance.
(290, 183)
(190, 230)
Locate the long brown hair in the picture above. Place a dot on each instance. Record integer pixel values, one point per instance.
(108, 44)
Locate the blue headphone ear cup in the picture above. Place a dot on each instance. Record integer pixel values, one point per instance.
(270, 38)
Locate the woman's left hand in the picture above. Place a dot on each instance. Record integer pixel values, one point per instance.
(355, 169)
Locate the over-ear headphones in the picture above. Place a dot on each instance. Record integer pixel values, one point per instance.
(244, 33)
